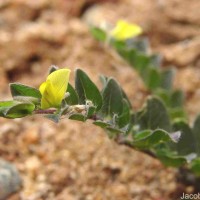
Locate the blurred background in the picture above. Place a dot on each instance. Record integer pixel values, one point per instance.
(72, 160)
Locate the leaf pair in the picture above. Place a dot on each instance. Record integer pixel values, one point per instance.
(16, 109)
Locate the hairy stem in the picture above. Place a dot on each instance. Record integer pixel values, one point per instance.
(48, 111)
(122, 141)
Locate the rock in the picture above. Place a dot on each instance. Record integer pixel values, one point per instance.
(10, 180)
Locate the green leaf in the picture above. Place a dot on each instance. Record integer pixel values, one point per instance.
(177, 114)
(126, 98)
(14, 109)
(53, 117)
(155, 60)
(103, 80)
(167, 78)
(177, 98)
(170, 159)
(5, 105)
(73, 98)
(148, 139)
(125, 116)
(101, 124)
(78, 117)
(164, 95)
(90, 111)
(151, 78)
(140, 44)
(195, 166)
(18, 89)
(119, 45)
(141, 61)
(186, 144)
(87, 90)
(154, 116)
(53, 68)
(141, 135)
(98, 33)
(112, 99)
(114, 131)
(128, 55)
(196, 132)
(19, 110)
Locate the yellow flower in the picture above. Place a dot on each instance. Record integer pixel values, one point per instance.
(124, 30)
(54, 88)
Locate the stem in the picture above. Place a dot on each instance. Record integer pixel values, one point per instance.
(121, 141)
(48, 111)
(95, 117)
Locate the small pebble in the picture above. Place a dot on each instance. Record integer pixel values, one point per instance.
(10, 180)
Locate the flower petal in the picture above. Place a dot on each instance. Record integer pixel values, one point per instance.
(59, 80)
(124, 30)
(54, 89)
(47, 100)
(42, 87)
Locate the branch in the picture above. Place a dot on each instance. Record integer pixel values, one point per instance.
(122, 141)
(48, 111)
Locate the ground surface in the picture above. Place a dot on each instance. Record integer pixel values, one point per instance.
(76, 161)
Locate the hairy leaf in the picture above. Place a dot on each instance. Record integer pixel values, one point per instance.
(186, 144)
(5, 105)
(170, 159)
(77, 117)
(112, 98)
(154, 116)
(177, 98)
(18, 89)
(148, 139)
(125, 117)
(196, 132)
(87, 90)
(98, 33)
(195, 166)
(19, 110)
(167, 78)
(72, 99)
(101, 124)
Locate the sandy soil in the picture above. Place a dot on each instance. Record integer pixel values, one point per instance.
(76, 161)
